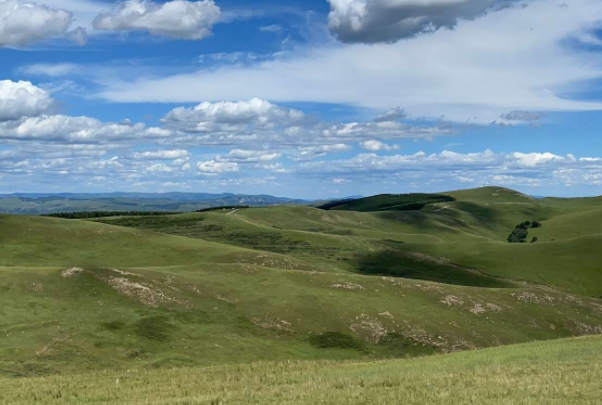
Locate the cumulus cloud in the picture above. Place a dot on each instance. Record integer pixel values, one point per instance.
(84, 11)
(61, 128)
(535, 159)
(384, 129)
(79, 36)
(162, 154)
(251, 126)
(511, 169)
(257, 121)
(375, 146)
(511, 59)
(158, 168)
(249, 156)
(313, 152)
(178, 19)
(371, 21)
(231, 116)
(23, 99)
(394, 114)
(23, 23)
(213, 167)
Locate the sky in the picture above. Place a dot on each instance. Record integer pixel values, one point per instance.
(301, 98)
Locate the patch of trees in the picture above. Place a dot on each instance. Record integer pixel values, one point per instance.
(105, 214)
(334, 204)
(388, 202)
(156, 222)
(225, 207)
(521, 232)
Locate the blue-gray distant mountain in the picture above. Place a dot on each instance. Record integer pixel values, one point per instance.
(49, 203)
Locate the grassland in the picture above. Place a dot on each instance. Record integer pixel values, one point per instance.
(292, 283)
(566, 372)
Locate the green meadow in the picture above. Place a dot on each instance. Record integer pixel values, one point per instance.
(563, 372)
(391, 299)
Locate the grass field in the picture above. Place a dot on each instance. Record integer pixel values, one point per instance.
(293, 283)
(562, 372)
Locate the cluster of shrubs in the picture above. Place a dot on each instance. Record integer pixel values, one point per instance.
(388, 202)
(521, 232)
(225, 207)
(104, 214)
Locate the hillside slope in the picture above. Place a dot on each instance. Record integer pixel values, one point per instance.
(50, 242)
(286, 283)
(456, 242)
(57, 320)
(565, 372)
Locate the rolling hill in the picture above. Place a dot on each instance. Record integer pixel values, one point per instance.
(295, 282)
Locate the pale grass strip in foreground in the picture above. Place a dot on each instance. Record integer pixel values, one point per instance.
(562, 372)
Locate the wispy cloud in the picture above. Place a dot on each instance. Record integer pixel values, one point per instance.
(511, 59)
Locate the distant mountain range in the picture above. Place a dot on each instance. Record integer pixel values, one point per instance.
(48, 203)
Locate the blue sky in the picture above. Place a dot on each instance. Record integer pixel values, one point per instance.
(307, 99)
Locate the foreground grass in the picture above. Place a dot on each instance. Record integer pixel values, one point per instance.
(559, 372)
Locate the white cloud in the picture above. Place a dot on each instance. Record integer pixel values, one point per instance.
(84, 11)
(313, 152)
(274, 28)
(79, 36)
(258, 122)
(51, 70)
(372, 21)
(23, 23)
(394, 114)
(45, 150)
(232, 116)
(273, 167)
(518, 169)
(158, 168)
(534, 159)
(520, 115)
(247, 156)
(375, 146)
(384, 129)
(162, 154)
(511, 59)
(191, 20)
(22, 99)
(60, 128)
(214, 167)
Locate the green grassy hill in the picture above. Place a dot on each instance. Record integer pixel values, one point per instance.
(565, 372)
(49, 242)
(294, 283)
